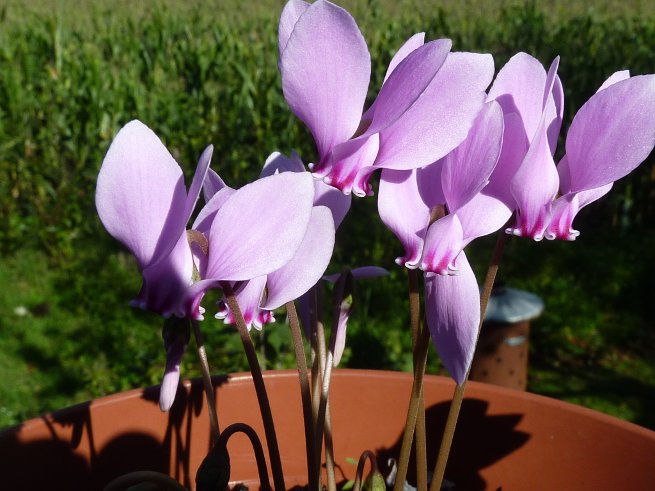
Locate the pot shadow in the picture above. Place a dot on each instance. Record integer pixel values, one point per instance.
(55, 462)
(480, 440)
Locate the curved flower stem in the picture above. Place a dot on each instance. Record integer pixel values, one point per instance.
(318, 366)
(367, 454)
(415, 403)
(458, 395)
(162, 481)
(260, 389)
(317, 384)
(314, 343)
(207, 381)
(301, 362)
(326, 371)
(329, 448)
(264, 483)
(415, 322)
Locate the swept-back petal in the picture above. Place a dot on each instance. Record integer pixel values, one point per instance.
(325, 70)
(466, 169)
(197, 182)
(534, 187)
(443, 243)
(413, 43)
(278, 162)
(483, 215)
(324, 194)
(203, 221)
(612, 133)
(140, 194)
(429, 184)
(212, 185)
(307, 265)
(290, 15)
(335, 200)
(615, 77)
(441, 118)
(519, 88)
(171, 378)
(566, 207)
(260, 227)
(557, 108)
(515, 146)
(407, 83)
(452, 305)
(404, 212)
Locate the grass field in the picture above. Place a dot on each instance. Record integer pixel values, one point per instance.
(72, 73)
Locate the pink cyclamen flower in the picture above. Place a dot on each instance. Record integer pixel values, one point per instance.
(407, 199)
(611, 134)
(454, 184)
(526, 177)
(259, 296)
(424, 109)
(142, 201)
(609, 137)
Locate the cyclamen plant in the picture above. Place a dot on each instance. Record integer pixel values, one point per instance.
(458, 160)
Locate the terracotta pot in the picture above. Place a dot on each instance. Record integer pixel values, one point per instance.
(506, 439)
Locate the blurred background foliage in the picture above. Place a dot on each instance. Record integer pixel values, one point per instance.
(72, 73)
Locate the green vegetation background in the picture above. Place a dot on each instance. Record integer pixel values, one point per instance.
(72, 73)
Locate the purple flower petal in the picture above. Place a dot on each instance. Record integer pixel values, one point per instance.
(404, 212)
(612, 133)
(443, 243)
(515, 146)
(278, 162)
(429, 184)
(325, 70)
(213, 184)
(555, 107)
(203, 221)
(140, 194)
(452, 305)
(483, 215)
(615, 77)
(567, 206)
(344, 169)
(335, 200)
(534, 187)
(260, 227)
(324, 194)
(171, 378)
(408, 81)
(441, 118)
(290, 15)
(466, 169)
(413, 43)
(519, 88)
(308, 264)
(197, 182)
